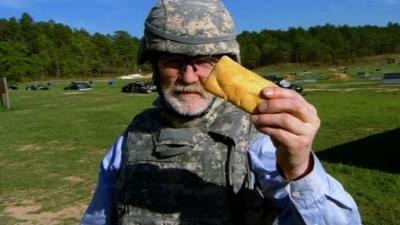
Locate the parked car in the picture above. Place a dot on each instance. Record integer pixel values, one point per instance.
(12, 87)
(362, 74)
(138, 87)
(36, 87)
(81, 86)
(285, 83)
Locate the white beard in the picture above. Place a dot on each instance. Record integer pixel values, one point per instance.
(194, 104)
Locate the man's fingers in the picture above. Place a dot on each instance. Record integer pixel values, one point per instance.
(297, 107)
(283, 140)
(278, 92)
(283, 121)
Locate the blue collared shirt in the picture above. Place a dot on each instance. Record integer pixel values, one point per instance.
(316, 199)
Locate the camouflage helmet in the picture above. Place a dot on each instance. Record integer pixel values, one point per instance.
(190, 27)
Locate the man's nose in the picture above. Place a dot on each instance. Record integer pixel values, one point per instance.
(189, 75)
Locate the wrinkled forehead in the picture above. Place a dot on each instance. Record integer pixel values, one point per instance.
(207, 18)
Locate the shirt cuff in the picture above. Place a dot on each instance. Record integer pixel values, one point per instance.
(306, 191)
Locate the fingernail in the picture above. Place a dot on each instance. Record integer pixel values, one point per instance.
(268, 92)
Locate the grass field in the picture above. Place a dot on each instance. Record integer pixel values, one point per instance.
(374, 66)
(51, 143)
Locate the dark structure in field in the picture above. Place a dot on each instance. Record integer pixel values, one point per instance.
(391, 78)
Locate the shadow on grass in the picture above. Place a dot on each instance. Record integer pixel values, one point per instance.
(379, 151)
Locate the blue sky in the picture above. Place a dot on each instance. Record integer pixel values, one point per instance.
(107, 16)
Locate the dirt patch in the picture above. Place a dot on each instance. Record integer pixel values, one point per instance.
(370, 129)
(339, 76)
(31, 147)
(73, 179)
(389, 90)
(83, 160)
(73, 93)
(29, 213)
(25, 111)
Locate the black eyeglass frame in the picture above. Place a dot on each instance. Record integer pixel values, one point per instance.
(180, 61)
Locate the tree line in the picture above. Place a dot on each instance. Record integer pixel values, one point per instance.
(327, 44)
(41, 50)
(32, 50)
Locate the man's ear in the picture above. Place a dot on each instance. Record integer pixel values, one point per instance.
(156, 74)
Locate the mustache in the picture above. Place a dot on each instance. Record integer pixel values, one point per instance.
(188, 88)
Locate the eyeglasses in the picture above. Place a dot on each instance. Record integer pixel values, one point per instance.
(180, 62)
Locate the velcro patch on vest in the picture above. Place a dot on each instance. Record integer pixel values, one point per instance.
(172, 142)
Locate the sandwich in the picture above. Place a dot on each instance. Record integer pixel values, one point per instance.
(236, 84)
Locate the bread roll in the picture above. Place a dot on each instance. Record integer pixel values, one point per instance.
(238, 85)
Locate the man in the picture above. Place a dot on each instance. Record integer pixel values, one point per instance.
(196, 159)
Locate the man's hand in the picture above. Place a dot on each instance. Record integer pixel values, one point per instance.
(292, 123)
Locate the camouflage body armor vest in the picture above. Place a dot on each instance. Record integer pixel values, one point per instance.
(189, 176)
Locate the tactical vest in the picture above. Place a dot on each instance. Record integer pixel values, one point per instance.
(189, 176)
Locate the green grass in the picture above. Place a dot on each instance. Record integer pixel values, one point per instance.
(49, 136)
(51, 143)
(359, 143)
(323, 72)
